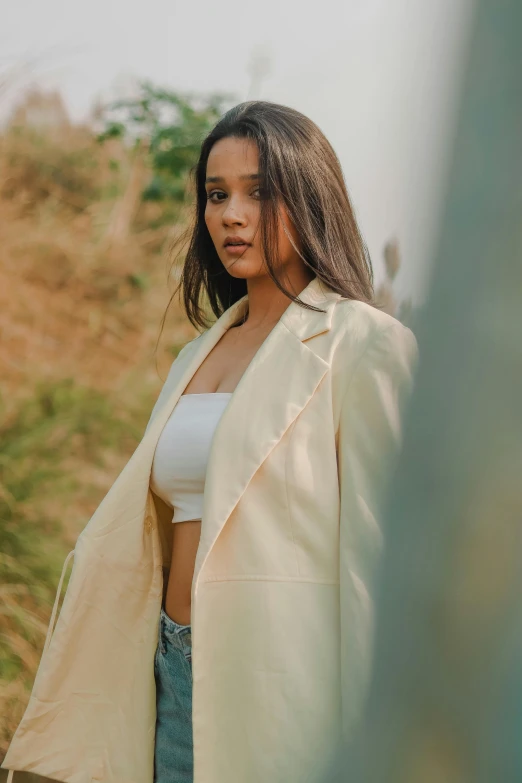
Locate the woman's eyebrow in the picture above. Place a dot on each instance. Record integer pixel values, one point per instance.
(221, 179)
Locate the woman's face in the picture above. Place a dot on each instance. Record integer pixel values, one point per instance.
(233, 211)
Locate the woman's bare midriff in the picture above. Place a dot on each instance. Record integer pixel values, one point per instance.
(185, 542)
(220, 371)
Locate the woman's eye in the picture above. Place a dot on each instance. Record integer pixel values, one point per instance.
(216, 196)
(256, 193)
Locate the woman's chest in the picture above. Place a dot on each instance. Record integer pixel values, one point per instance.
(222, 368)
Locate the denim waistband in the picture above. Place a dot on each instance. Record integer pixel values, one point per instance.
(179, 636)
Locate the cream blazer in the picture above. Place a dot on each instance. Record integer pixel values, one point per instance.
(281, 595)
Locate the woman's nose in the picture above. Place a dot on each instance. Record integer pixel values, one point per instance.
(233, 216)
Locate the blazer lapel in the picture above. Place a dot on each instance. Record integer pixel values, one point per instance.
(276, 386)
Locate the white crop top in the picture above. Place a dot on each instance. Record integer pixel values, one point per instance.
(180, 460)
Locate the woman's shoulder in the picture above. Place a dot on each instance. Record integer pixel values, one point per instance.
(172, 376)
(353, 313)
(188, 345)
(360, 328)
(187, 348)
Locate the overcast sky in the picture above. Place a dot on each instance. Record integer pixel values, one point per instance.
(380, 77)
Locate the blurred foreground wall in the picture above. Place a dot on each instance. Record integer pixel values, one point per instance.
(446, 697)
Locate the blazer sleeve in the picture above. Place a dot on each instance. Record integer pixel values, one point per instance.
(369, 438)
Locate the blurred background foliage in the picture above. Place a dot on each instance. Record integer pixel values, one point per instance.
(170, 126)
(87, 216)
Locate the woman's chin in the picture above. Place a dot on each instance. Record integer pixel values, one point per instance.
(243, 268)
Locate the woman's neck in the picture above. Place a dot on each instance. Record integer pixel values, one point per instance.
(266, 303)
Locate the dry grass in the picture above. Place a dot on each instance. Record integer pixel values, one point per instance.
(62, 288)
(80, 309)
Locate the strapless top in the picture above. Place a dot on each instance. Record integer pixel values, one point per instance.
(180, 460)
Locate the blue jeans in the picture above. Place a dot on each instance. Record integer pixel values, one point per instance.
(173, 753)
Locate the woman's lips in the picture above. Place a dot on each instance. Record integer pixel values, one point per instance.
(236, 250)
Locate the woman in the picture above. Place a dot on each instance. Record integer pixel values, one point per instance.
(225, 636)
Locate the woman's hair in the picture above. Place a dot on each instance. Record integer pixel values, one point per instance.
(299, 169)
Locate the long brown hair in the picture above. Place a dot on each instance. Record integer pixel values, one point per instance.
(298, 168)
